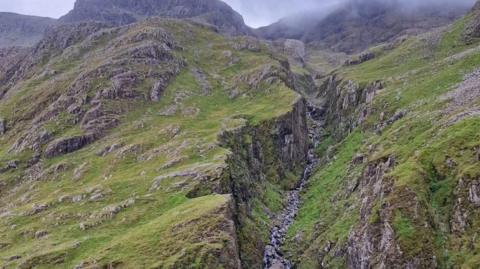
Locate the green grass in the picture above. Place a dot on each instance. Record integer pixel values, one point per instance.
(323, 213)
(416, 74)
(164, 228)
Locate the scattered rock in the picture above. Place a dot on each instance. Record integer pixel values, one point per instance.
(37, 208)
(358, 158)
(79, 171)
(201, 79)
(9, 166)
(168, 111)
(361, 58)
(78, 198)
(13, 258)
(109, 149)
(40, 234)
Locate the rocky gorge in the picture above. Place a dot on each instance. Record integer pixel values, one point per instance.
(144, 134)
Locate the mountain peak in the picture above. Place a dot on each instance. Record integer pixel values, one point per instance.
(121, 12)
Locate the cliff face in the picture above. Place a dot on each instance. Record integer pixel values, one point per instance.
(120, 12)
(266, 160)
(21, 30)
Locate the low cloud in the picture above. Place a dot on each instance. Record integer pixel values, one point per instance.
(263, 12)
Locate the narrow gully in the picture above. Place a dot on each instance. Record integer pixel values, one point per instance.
(273, 257)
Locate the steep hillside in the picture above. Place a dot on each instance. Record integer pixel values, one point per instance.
(357, 25)
(397, 185)
(152, 145)
(21, 30)
(122, 12)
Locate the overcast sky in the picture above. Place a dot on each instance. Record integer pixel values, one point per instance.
(256, 12)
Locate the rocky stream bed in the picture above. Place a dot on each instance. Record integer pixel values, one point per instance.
(273, 257)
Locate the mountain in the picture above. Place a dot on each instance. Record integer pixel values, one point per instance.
(165, 143)
(359, 24)
(124, 147)
(21, 30)
(120, 12)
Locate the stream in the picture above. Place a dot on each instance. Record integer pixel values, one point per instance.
(273, 257)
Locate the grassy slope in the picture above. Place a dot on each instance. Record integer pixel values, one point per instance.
(162, 227)
(416, 73)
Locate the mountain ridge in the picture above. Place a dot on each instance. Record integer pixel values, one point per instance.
(22, 30)
(120, 12)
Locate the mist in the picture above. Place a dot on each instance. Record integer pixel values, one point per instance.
(259, 13)
(255, 12)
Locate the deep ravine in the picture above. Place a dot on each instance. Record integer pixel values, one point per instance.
(273, 256)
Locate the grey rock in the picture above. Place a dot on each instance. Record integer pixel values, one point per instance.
(212, 12)
(40, 234)
(68, 145)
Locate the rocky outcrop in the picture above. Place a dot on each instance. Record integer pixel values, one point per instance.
(262, 155)
(148, 58)
(346, 104)
(20, 30)
(67, 145)
(212, 12)
(472, 27)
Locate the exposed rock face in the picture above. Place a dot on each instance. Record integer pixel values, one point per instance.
(67, 145)
(472, 28)
(21, 30)
(92, 112)
(120, 12)
(358, 25)
(54, 41)
(263, 154)
(346, 103)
